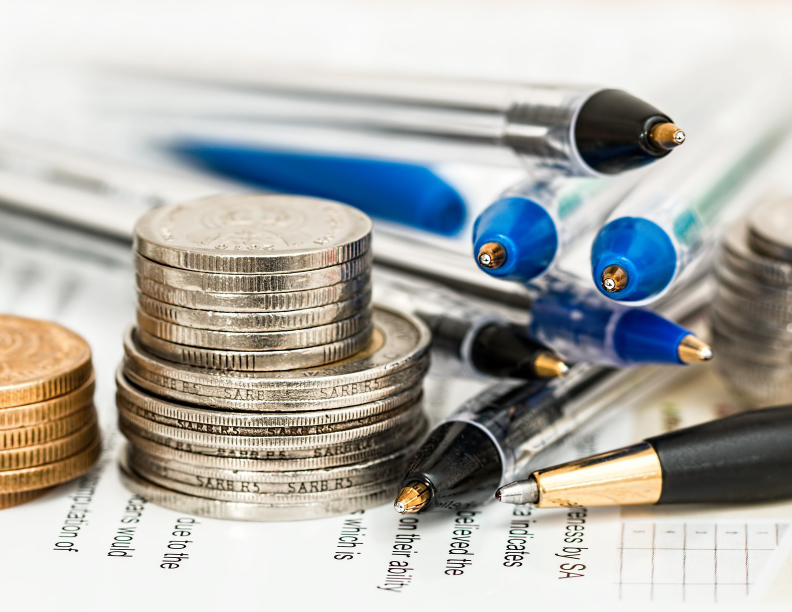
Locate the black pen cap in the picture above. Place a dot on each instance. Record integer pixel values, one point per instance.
(460, 464)
(612, 132)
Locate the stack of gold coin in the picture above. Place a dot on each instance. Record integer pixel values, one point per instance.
(48, 428)
(259, 383)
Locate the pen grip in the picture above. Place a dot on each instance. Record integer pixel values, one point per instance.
(744, 457)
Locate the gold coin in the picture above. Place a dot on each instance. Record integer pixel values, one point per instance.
(45, 432)
(39, 360)
(52, 473)
(21, 458)
(7, 500)
(57, 408)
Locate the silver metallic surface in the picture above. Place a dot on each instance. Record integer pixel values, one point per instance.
(400, 341)
(255, 321)
(255, 341)
(293, 455)
(255, 302)
(519, 492)
(325, 458)
(224, 421)
(262, 439)
(256, 361)
(191, 280)
(243, 511)
(253, 234)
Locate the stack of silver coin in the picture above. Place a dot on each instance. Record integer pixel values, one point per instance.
(259, 382)
(752, 311)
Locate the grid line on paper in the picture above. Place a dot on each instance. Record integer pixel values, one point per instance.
(707, 562)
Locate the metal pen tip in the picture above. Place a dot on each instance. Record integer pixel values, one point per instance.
(412, 498)
(492, 255)
(548, 365)
(693, 350)
(614, 279)
(666, 136)
(520, 492)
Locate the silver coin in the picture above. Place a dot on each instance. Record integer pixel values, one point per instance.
(400, 420)
(247, 496)
(256, 361)
(255, 321)
(727, 339)
(253, 234)
(200, 506)
(226, 422)
(764, 328)
(379, 441)
(772, 312)
(275, 432)
(399, 342)
(277, 483)
(252, 283)
(272, 461)
(770, 230)
(255, 302)
(752, 287)
(283, 399)
(254, 341)
(736, 253)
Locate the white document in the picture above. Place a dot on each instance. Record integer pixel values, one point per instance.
(92, 545)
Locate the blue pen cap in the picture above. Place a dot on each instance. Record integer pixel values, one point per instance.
(642, 336)
(396, 191)
(642, 249)
(525, 230)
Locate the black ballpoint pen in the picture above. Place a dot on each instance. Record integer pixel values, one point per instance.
(476, 340)
(741, 458)
(497, 436)
(566, 129)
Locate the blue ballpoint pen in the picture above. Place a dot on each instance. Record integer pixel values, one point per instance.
(404, 192)
(582, 326)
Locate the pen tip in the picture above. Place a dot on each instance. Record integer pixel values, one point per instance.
(614, 279)
(693, 350)
(412, 498)
(666, 136)
(520, 492)
(491, 255)
(548, 365)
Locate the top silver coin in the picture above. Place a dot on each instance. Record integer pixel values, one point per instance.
(253, 234)
(770, 230)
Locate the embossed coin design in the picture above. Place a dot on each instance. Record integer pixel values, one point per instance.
(39, 360)
(253, 234)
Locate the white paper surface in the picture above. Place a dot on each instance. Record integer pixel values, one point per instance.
(92, 545)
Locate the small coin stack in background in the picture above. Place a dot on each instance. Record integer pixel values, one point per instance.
(752, 311)
(48, 426)
(259, 383)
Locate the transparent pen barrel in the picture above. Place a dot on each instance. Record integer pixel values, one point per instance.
(534, 123)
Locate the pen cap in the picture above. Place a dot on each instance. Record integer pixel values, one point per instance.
(612, 132)
(744, 457)
(461, 465)
(642, 336)
(642, 249)
(396, 191)
(525, 230)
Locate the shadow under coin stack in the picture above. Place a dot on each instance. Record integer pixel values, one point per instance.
(48, 427)
(752, 311)
(259, 383)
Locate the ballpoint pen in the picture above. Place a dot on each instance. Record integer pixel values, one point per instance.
(575, 130)
(475, 339)
(741, 458)
(408, 193)
(667, 222)
(495, 437)
(582, 326)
